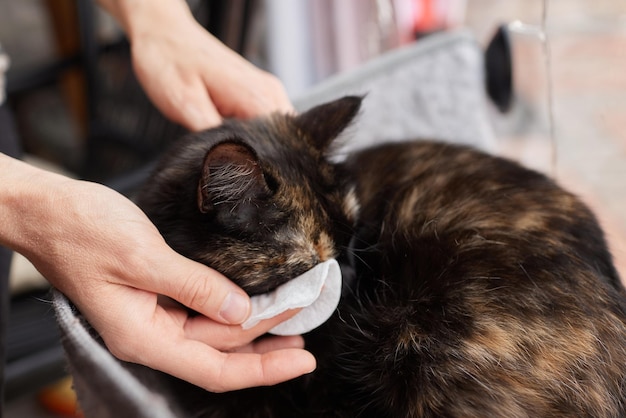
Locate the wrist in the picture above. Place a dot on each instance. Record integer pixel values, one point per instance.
(139, 17)
(26, 200)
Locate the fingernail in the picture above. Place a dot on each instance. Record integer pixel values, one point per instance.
(235, 308)
(313, 366)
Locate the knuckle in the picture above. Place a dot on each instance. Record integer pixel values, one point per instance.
(195, 293)
(273, 82)
(234, 339)
(123, 349)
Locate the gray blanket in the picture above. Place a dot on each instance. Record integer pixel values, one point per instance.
(433, 89)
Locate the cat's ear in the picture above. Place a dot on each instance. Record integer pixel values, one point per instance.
(323, 123)
(231, 174)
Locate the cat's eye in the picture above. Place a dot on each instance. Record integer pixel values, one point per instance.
(271, 182)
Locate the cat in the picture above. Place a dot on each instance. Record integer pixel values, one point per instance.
(473, 287)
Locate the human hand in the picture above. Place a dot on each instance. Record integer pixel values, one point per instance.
(188, 74)
(100, 250)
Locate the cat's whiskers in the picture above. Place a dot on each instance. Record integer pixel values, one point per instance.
(357, 325)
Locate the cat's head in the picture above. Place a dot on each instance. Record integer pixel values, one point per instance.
(257, 200)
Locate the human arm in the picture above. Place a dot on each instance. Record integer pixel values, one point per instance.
(99, 249)
(188, 74)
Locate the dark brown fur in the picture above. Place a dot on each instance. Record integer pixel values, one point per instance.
(472, 286)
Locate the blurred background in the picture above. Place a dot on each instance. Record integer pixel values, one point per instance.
(80, 111)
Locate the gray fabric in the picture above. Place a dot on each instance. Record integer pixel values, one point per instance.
(105, 388)
(430, 90)
(433, 89)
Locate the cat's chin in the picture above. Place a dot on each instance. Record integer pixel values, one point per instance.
(268, 286)
(260, 278)
(259, 290)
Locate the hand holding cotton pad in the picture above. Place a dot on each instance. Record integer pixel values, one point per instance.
(317, 291)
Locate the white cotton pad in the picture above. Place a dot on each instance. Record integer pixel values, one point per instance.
(317, 291)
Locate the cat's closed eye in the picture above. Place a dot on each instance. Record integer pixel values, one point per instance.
(271, 182)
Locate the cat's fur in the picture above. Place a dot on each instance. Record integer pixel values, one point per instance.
(473, 286)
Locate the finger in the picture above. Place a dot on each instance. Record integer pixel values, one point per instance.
(275, 95)
(154, 338)
(180, 97)
(248, 92)
(197, 287)
(270, 97)
(230, 337)
(189, 105)
(211, 369)
(219, 372)
(273, 343)
(197, 113)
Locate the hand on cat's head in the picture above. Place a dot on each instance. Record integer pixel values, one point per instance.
(190, 76)
(101, 251)
(196, 80)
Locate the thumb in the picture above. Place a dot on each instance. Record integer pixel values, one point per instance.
(202, 289)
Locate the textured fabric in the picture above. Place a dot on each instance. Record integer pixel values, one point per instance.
(105, 388)
(433, 89)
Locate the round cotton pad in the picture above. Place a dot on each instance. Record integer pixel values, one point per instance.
(317, 291)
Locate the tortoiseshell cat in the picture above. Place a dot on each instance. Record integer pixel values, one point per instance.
(473, 287)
